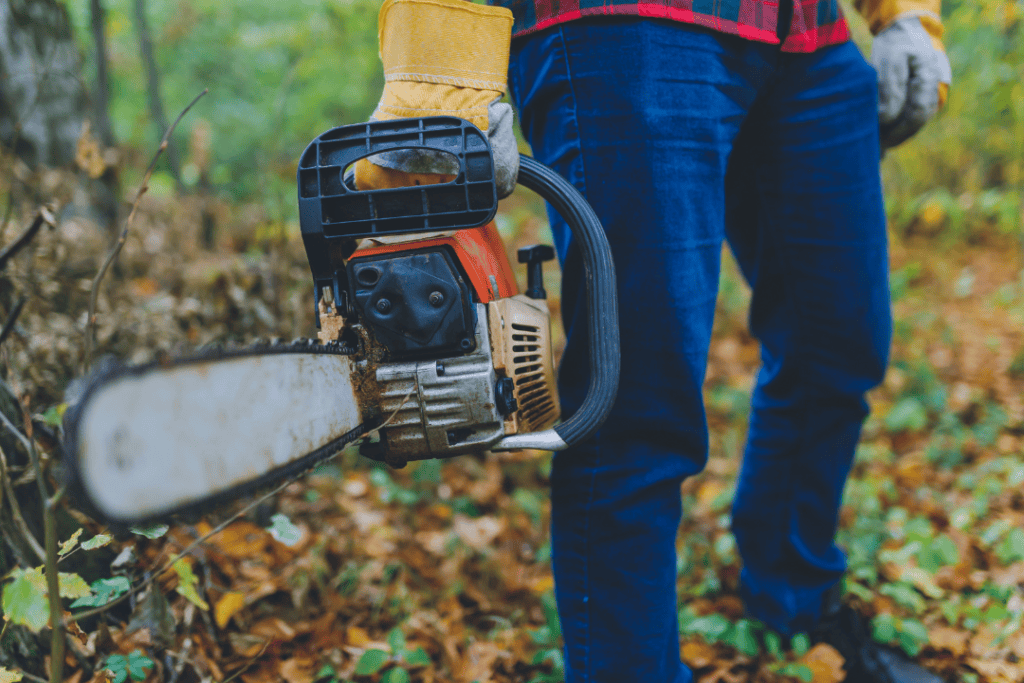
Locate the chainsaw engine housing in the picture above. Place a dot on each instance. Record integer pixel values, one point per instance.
(460, 359)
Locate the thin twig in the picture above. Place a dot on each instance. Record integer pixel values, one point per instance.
(10, 207)
(29, 677)
(11, 319)
(90, 328)
(17, 433)
(183, 659)
(19, 243)
(250, 663)
(19, 519)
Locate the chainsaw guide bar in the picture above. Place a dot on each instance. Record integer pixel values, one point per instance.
(286, 406)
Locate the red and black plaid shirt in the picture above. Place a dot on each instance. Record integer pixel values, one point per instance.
(815, 24)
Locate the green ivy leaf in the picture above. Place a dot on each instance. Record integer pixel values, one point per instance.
(773, 643)
(905, 596)
(1012, 547)
(418, 657)
(371, 662)
(396, 640)
(54, 414)
(803, 672)
(97, 541)
(744, 638)
(282, 529)
(883, 628)
(150, 530)
(103, 591)
(138, 663)
(711, 627)
(326, 672)
(800, 644)
(396, 675)
(908, 414)
(117, 665)
(945, 549)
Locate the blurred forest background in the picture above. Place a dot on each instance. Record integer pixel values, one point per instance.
(440, 571)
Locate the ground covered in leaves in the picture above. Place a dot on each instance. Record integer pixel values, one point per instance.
(440, 571)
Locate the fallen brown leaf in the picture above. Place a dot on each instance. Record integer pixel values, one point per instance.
(825, 662)
(697, 654)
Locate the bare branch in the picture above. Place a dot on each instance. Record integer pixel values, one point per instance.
(97, 14)
(90, 327)
(17, 434)
(49, 505)
(43, 216)
(19, 519)
(156, 106)
(248, 664)
(29, 677)
(52, 579)
(11, 319)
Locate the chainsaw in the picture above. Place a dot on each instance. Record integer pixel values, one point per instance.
(424, 343)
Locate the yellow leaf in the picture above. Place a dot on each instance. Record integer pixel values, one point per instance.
(69, 545)
(542, 584)
(72, 586)
(8, 676)
(356, 636)
(187, 581)
(227, 607)
(88, 154)
(932, 215)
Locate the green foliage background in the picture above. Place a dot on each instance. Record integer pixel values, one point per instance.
(281, 73)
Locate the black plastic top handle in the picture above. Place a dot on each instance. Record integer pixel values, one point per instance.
(327, 206)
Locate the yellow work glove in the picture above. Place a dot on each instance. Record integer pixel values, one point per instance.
(450, 58)
(913, 70)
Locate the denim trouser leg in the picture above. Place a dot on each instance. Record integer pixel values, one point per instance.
(680, 138)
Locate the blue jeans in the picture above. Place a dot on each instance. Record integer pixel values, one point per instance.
(681, 138)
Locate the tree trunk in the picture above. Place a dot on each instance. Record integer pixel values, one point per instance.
(101, 93)
(42, 101)
(156, 106)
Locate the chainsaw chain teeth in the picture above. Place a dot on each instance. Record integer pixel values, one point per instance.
(108, 369)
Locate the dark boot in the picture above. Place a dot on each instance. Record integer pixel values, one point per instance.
(866, 661)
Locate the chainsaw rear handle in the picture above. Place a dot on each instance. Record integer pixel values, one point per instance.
(330, 209)
(602, 310)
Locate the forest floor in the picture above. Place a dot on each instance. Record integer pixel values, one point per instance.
(440, 571)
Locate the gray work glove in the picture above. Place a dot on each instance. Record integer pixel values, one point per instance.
(910, 70)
